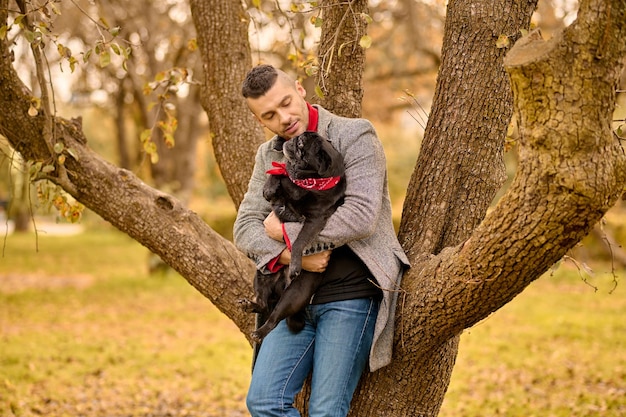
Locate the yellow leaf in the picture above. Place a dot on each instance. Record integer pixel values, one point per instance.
(73, 63)
(319, 92)
(47, 168)
(311, 70)
(58, 147)
(317, 21)
(18, 19)
(55, 9)
(366, 18)
(365, 41)
(72, 153)
(87, 55)
(502, 42)
(105, 59)
(169, 140)
(104, 22)
(145, 135)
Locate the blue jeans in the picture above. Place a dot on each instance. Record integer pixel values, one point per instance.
(334, 344)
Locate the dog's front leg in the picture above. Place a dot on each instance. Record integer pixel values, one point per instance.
(310, 230)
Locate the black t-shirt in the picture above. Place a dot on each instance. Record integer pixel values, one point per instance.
(346, 278)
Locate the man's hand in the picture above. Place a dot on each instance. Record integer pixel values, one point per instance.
(273, 227)
(312, 263)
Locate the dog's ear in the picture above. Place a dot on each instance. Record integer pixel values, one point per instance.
(332, 160)
(325, 162)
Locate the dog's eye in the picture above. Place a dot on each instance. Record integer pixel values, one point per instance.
(300, 148)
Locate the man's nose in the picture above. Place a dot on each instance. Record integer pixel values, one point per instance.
(283, 116)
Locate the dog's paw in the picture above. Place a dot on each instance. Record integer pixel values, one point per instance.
(256, 337)
(294, 273)
(247, 305)
(287, 215)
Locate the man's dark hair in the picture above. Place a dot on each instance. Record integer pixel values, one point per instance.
(258, 81)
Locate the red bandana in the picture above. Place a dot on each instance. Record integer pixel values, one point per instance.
(320, 184)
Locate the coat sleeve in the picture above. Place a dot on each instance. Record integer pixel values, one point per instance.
(248, 232)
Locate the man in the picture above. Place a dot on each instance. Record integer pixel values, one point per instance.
(350, 318)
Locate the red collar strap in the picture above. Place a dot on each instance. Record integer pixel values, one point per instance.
(320, 184)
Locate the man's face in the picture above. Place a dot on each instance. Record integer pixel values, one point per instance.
(282, 109)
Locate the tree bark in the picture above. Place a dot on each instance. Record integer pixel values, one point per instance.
(222, 30)
(458, 172)
(460, 167)
(341, 58)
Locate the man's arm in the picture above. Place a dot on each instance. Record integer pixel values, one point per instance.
(312, 263)
(249, 232)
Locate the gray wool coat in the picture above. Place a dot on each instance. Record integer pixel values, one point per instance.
(363, 222)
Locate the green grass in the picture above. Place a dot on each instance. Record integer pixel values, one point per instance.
(107, 339)
(86, 331)
(558, 349)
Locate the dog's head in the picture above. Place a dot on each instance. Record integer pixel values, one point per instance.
(309, 155)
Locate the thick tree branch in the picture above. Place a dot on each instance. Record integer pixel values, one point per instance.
(571, 171)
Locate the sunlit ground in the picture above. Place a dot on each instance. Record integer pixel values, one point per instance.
(85, 331)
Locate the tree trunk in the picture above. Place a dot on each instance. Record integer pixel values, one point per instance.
(20, 202)
(222, 30)
(341, 58)
(460, 167)
(458, 172)
(188, 132)
(120, 126)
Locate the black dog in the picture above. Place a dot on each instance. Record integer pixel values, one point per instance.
(307, 189)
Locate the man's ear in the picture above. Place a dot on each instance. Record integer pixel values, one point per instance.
(300, 89)
(259, 120)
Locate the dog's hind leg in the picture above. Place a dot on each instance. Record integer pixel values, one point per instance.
(267, 290)
(295, 298)
(296, 322)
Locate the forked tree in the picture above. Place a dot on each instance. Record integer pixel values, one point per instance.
(466, 263)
